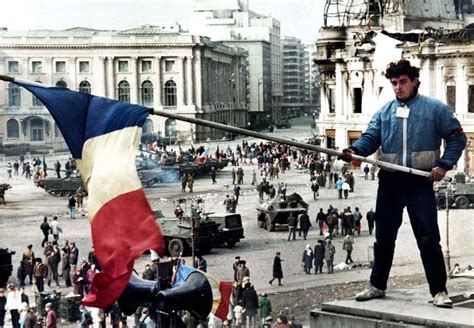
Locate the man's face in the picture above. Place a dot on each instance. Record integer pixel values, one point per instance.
(403, 87)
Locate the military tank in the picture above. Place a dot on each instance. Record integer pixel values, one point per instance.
(274, 213)
(60, 187)
(6, 267)
(461, 194)
(178, 234)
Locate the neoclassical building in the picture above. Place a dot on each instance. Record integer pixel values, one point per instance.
(150, 65)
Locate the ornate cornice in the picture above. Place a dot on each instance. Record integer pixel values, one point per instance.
(97, 46)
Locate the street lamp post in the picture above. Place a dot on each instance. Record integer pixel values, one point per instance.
(448, 192)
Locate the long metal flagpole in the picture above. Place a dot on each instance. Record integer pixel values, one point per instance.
(258, 135)
(286, 141)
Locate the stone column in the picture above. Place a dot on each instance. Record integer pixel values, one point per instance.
(198, 78)
(189, 81)
(461, 91)
(159, 84)
(134, 82)
(180, 82)
(110, 80)
(100, 81)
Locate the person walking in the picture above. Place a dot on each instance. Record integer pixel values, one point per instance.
(292, 222)
(55, 228)
(213, 175)
(13, 304)
(46, 229)
(366, 172)
(66, 267)
(370, 220)
(347, 246)
(307, 259)
(250, 305)
(339, 184)
(422, 122)
(329, 251)
(277, 269)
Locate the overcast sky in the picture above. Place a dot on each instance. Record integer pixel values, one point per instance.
(299, 18)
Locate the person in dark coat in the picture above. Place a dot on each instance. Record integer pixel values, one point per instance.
(3, 302)
(250, 304)
(370, 220)
(319, 257)
(308, 259)
(320, 219)
(305, 223)
(277, 270)
(46, 229)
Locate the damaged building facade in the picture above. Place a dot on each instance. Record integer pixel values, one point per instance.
(360, 39)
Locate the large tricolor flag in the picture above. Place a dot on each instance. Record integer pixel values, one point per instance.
(221, 290)
(103, 136)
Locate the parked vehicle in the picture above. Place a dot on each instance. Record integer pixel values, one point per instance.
(230, 228)
(60, 186)
(461, 195)
(179, 236)
(274, 213)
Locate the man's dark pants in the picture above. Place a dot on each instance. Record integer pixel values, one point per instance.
(396, 191)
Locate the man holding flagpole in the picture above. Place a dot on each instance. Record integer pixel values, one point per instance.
(409, 131)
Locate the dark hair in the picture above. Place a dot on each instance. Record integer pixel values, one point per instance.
(402, 67)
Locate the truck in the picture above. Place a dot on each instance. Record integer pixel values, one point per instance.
(230, 230)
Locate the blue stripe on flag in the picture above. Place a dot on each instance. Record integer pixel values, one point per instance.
(81, 116)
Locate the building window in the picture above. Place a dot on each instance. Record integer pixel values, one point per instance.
(332, 100)
(13, 67)
(123, 66)
(85, 87)
(13, 129)
(169, 65)
(61, 84)
(451, 97)
(60, 67)
(36, 67)
(37, 129)
(170, 128)
(357, 100)
(57, 132)
(124, 91)
(470, 101)
(148, 126)
(147, 93)
(170, 93)
(14, 95)
(146, 66)
(84, 67)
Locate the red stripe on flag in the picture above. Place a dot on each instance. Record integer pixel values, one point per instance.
(122, 230)
(225, 288)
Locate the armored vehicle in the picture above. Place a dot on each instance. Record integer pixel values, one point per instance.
(178, 234)
(461, 196)
(230, 228)
(60, 186)
(275, 212)
(6, 267)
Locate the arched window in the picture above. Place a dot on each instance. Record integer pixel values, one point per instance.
(14, 95)
(36, 129)
(170, 128)
(85, 87)
(170, 93)
(13, 129)
(61, 84)
(35, 101)
(124, 91)
(148, 126)
(147, 93)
